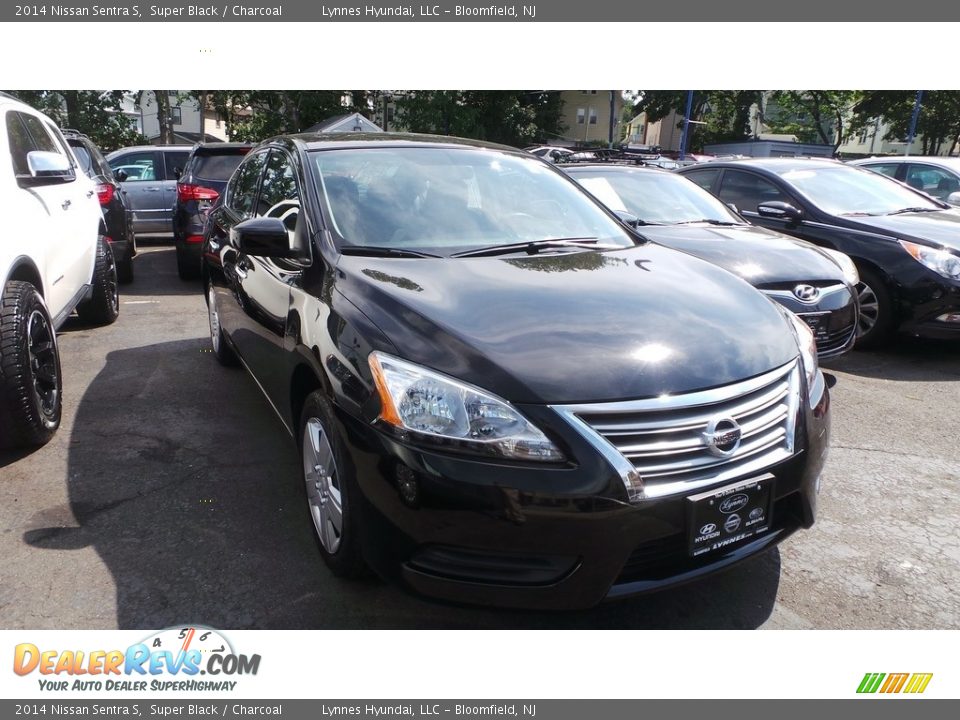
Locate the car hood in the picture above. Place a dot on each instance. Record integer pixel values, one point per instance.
(760, 256)
(937, 228)
(572, 327)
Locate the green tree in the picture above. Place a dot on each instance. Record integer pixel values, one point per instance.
(96, 113)
(812, 115)
(253, 115)
(938, 125)
(510, 117)
(718, 115)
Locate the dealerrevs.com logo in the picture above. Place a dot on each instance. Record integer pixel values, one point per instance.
(909, 683)
(171, 659)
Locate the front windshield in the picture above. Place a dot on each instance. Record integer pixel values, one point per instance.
(655, 197)
(844, 190)
(443, 201)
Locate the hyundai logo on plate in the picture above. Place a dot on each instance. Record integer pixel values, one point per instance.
(806, 293)
(733, 503)
(708, 528)
(756, 513)
(722, 436)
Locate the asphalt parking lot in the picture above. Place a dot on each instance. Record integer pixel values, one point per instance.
(171, 494)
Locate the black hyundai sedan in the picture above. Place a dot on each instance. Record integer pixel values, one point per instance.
(818, 285)
(906, 245)
(500, 394)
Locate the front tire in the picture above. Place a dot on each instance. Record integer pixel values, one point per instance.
(876, 311)
(104, 304)
(31, 385)
(331, 488)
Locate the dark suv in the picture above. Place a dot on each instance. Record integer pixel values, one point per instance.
(203, 178)
(501, 394)
(117, 217)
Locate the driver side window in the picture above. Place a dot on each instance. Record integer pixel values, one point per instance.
(242, 191)
(747, 191)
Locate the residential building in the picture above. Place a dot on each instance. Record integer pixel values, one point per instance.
(189, 124)
(586, 115)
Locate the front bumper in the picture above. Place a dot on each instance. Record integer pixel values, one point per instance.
(832, 317)
(559, 537)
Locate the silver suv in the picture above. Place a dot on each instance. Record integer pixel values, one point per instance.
(53, 260)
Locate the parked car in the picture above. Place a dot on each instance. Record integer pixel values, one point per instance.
(53, 259)
(818, 285)
(204, 177)
(906, 245)
(117, 217)
(500, 393)
(148, 175)
(939, 177)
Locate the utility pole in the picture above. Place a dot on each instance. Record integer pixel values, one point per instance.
(913, 121)
(686, 125)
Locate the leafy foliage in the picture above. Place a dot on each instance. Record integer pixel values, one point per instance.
(725, 114)
(96, 113)
(938, 124)
(515, 118)
(815, 116)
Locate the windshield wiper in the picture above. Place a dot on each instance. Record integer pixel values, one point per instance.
(901, 211)
(534, 246)
(710, 221)
(377, 251)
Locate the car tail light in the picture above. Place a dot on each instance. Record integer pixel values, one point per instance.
(195, 192)
(194, 238)
(105, 193)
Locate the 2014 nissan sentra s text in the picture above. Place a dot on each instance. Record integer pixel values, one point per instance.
(501, 394)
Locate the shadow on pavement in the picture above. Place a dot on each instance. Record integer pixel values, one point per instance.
(155, 273)
(187, 486)
(905, 358)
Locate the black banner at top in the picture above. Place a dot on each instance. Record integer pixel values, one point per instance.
(731, 11)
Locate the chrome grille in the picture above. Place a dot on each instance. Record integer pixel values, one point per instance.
(661, 446)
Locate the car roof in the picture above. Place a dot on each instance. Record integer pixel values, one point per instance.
(162, 148)
(946, 161)
(356, 140)
(612, 166)
(225, 147)
(774, 166)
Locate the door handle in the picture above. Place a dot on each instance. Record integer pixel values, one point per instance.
(153, 189)
(66, 204)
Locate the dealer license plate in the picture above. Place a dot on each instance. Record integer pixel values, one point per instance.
(818, 322)
(720, 518)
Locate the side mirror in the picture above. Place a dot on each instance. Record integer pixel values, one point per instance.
(44, 164)
(267, 237)
(120, 175)
(177, 172)
(953, 198)
(734, 207)
(628, 218)
(777, 210)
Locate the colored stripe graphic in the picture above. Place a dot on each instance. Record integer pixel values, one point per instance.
(870, 682)
(918, 682)
(895, 682)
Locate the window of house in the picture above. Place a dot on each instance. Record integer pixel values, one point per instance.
(593, 116)
(176, 116)
(581, 115)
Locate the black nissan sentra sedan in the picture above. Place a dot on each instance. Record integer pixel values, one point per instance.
(818, 285)
(501, 395)
(906, 245)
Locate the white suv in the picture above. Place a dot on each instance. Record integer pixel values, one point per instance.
(53, 260)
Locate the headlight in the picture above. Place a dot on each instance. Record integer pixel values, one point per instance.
(940, 261)
(439, 408)
(808, 351)
(850, 273)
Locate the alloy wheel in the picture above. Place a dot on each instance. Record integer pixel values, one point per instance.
(113, 291)
(323, 485)
(869, 309)
(214, 319)
(42, 351)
